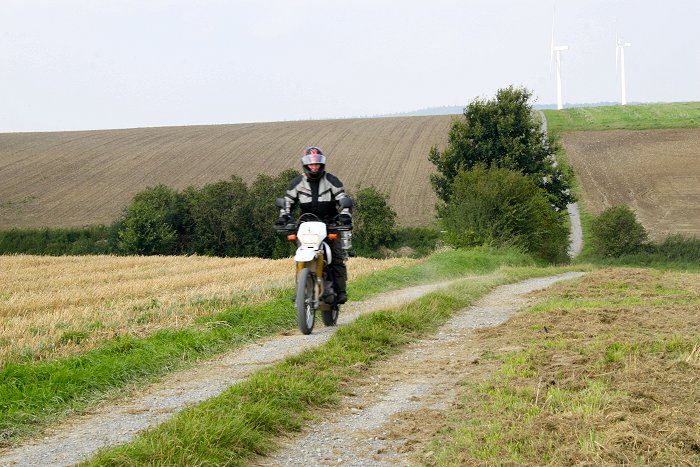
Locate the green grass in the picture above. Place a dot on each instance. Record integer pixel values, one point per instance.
(629, 117)
(246, 419)
(530, 412)
(35, 393)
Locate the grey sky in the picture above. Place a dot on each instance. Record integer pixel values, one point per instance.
(86, 64)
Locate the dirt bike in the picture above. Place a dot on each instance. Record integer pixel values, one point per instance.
(314, 278)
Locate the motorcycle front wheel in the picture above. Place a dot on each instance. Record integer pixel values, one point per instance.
(306, 313)
(330, 316)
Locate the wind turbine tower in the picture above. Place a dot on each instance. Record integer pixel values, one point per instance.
(555, 51)
(620, 58)
(558, 49)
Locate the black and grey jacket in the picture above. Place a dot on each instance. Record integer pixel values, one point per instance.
(318, 197)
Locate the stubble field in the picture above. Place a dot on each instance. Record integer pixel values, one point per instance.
(59, 306)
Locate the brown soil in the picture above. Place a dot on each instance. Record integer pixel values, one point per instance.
(654, 172)
(72, 179)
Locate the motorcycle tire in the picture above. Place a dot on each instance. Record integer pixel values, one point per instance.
(330, 317)
(304, 303)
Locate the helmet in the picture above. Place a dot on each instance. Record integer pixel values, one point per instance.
(313, 155)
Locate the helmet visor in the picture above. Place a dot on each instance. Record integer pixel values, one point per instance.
(313, 159)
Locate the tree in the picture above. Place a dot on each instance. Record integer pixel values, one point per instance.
(502, 207)
(374, 220)
(501, 133)
(151, 223)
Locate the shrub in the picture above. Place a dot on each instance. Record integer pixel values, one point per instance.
(268, 244)
(374, 220)
(151, 224)
(616, 232)
(502, 207)
(221, 218)
(678, 247)
(62, 241)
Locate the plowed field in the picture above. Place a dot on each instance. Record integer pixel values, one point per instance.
(654, 172)
(72, 179)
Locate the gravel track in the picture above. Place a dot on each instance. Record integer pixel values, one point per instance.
(121, 420)
(356, 433)
(398, 408)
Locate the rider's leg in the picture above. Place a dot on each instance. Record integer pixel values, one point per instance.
(340, 272)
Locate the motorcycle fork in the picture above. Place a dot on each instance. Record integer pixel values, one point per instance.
(320, 264)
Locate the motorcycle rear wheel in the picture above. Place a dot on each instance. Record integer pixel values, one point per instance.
(306, 313)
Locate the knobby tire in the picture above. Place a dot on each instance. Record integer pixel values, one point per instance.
(306, 313)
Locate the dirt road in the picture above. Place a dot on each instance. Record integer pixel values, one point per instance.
(417, 380)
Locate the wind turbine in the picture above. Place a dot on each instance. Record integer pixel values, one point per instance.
(556, 51)
(620, 58)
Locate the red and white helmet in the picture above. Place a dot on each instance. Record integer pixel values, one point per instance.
(313, 155)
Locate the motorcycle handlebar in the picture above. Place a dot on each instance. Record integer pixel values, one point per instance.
(293, 227)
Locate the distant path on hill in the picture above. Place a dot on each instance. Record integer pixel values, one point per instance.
(576, 234)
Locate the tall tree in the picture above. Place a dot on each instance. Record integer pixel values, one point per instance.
(501, 133)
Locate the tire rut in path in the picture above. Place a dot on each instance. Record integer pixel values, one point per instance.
(120, 421)
(400, 405)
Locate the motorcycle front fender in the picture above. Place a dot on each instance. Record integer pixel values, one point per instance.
(304, 255)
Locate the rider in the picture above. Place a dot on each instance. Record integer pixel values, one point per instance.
(318, 192)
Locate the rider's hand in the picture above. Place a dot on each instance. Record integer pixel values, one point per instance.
(346, 219)
(283, 220)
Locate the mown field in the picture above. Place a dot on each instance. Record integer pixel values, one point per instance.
(74, 179)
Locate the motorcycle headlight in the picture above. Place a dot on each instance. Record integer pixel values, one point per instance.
(309, 239)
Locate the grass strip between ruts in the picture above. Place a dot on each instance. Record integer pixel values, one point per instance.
(33, 394)
(244, 419)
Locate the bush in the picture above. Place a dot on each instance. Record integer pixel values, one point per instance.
(502, 207)
(151, 224)
(422, 240)
(616, 232)
(677, 247)
(67, 241)
(225, 218)
(374, 220)
(268, 244)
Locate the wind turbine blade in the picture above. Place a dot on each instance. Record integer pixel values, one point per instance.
(551, 49)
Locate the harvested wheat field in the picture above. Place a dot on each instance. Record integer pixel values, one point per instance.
(74, 179)
(654, 172)
(57, 306)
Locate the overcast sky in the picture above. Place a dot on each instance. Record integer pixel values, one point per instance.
(93, 64)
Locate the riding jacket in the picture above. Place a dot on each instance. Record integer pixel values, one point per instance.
(318, 197)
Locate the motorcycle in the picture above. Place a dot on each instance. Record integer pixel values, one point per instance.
(314, 278)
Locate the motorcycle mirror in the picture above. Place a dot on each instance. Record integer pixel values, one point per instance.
(346, 202)
(279, 202)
